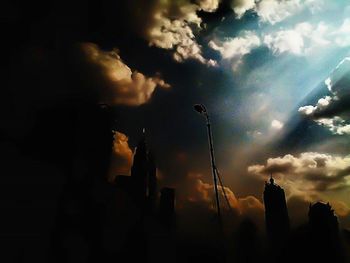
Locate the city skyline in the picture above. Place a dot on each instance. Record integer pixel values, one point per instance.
(97, 112)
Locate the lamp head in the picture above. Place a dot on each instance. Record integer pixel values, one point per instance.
(200, 108)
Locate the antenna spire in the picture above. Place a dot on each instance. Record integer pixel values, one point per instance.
(272, 181)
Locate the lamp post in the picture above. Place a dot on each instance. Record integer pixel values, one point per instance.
(200, 108)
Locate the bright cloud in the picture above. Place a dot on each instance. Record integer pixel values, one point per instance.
(305, 38)
(276, 124)
(328, 109)
(273, 11)
(202, 192)
(119, 85)
(234, 49)
(208, 5)
(122, 155)
(300, 40)
(242, 6)
(172, 28)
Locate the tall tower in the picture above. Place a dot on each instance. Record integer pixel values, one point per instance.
(139, 172)
(276, 213)
(143, 176)
(152, 192)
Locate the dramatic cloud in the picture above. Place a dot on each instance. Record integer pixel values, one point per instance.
(300, 40)
(284, 28)
(310, 176)
(208, 5)
(121, 156)
(242, 6)
(305, 38)
(118, 84)
(201, 192)
(273, 11)
(333, 111)
(172, 27)
(234, 49)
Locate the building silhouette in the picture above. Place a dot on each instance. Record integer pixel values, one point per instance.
(322, 218)
(144, 177)
(167, 206)
(276, 213)
(324, 238)
(152, 185)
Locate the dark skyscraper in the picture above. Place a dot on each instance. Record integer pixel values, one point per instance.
(322, 218)
(139, 172)
(324, 234)
(276, 213)
(152, 192)
(167, 205)
(144, 176)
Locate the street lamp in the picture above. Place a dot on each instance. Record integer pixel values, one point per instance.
(200, 108)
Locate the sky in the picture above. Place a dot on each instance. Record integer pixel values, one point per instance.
(273, 74)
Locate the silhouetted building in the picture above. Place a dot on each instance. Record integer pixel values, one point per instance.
(139, 172)
(322, 218)
(167, 205)
(247, 247)
(276, 213)
(124, 182)
(152, 190)
(83, 150)
(142, 184)
(324, 234)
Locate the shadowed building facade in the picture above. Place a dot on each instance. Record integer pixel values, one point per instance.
(144, 177)
(324, 234)
(167, 206)
(276, 213)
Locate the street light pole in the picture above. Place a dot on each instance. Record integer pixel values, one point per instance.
(200, 108)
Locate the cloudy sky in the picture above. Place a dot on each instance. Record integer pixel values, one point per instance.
(273, 74)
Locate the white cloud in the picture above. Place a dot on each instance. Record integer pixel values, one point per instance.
(338, 84)
(300, 40)
(285, 41)
(321, 104)
(305, 38)
(171, 28)
(242, 6)
(328, 83)
(208, 5)
(276, 124)
(118, 84)
(342, 35)
(234, 49)
(307, 110)
(274, 11)
(336, 125)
